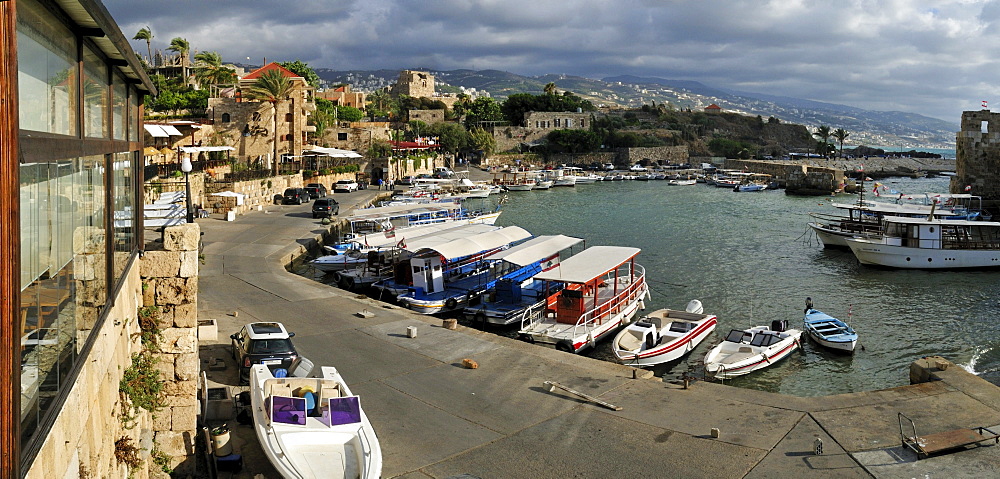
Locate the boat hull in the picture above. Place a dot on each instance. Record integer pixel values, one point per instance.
(667, 351)
(574, 340)
(903, 257)
(723, 363)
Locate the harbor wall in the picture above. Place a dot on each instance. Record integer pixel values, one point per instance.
(977, 157)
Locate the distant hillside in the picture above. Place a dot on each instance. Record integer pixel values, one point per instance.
(867, 127)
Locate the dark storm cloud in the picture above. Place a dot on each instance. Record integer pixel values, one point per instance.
(925, 57)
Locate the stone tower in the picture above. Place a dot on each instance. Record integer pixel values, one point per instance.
(977, 157)
(414, 84)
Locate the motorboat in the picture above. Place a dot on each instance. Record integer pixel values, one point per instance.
(599, 290)
(313, 427)
(686, 182)
(664, 335)
(932, 243)
(748, 350)
(337, 262)
(828, 331)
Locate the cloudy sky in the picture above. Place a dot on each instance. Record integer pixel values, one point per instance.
(936, 58)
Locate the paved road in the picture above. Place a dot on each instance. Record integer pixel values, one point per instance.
(435, 418)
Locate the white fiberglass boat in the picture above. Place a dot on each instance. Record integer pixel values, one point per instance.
(313, 427)
(745, 351)
(664, 335)
(917, 243)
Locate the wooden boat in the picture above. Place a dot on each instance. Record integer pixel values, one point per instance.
(917, 243)
(748, 350)
(828, 331)
(313, 427)
(599, 290)
(664, 335)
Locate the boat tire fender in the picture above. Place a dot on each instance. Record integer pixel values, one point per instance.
(526, 338)
(480, 317)
(450, 303)
(565, 346)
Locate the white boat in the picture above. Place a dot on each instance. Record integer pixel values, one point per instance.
(599, 290)
(687, 182)
(664, 335)
(313, 427)
(337, 262)
(746, 351)
(828, 331)
(543, 184)
(917, 243)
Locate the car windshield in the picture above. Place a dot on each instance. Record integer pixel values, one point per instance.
(271, 346)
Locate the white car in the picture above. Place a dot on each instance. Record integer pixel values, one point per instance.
(637, 167)
(345, 186)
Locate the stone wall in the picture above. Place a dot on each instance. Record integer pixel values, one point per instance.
(977, 157)
(798, 178)
(654, 155)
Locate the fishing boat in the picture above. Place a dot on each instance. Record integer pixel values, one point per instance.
(664, 335)
(933, 243)
(598, 291)
(748, 350)
(313, 427)
(828, 331)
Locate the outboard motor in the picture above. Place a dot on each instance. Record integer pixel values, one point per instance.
(779, 325)
(694, 306)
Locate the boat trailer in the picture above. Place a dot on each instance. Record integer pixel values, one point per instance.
(929, 444)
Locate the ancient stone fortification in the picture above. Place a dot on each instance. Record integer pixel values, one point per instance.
(798, 178)
(977, 157)
(654, 155)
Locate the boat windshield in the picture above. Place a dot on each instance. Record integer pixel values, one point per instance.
(735, 336)
(345, 410)
(288, 410)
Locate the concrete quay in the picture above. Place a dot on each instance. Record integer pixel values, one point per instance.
(435, 418)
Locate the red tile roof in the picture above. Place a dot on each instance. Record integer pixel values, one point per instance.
(270, 66)
(713, 106)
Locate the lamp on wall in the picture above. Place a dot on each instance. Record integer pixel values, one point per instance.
(186, 168)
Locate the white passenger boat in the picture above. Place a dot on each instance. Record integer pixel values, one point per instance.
(746, 351)
(313, 427)
(916, 243)
(599, 290)
(664, 335)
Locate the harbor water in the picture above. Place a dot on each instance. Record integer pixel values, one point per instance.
(751, 258)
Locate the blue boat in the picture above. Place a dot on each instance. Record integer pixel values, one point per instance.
(828, 331)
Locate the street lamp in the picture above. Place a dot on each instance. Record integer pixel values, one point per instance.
(186, 168)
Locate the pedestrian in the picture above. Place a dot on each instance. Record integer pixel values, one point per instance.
(380, 183)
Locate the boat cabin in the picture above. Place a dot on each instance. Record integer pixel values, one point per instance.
(941, 234)
(594, 280)
(433, 267)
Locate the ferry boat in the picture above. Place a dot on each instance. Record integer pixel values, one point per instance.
(599, 290)
(919, 243)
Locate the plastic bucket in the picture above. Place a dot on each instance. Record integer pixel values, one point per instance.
(220, 441)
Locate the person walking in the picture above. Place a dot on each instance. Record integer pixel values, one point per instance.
(380, 184)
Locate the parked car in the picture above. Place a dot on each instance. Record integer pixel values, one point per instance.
(295, 196)
(345, 186)
(325, 207)
(406, 180)
(267, 343)
(316, 190)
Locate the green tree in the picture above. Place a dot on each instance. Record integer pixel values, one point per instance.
(273, 87)
(841, 134)
(181, 47)
(823, 134)
(208, 70)
(349, 113)
(572, 141)
(451, 136)
(303, 70)
(482, 109)
(147, 35)
(482, 140)
(550, 88)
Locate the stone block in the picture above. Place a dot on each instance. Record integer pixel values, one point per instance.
(189, 264)
(88, 240)
(182, 237)
(148, 293)
(186, 315)
(86, 317)
(84, 267)
(165, 365)
(175, 443)
(163, 419)
(171, 401)
(185, 418)
(172, 291)
(181, 389)
(179, 340)
(186, 366)
(160, 264)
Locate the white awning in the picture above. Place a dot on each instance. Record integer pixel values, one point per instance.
(383, 212)
(239, 196)
(156, 131)
(589, 264)
(477, 244)
(171, 130)
(417, 237)
(334, 152)
(535, 250)
(200, 149)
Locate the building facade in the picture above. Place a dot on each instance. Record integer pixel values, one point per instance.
(343, 96)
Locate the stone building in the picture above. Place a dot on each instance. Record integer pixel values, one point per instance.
(713, 109)
(80, 281)
(343, 96)
(413, 83)
(536, 125)
(977, 157)
(247, 124)
(427, 116)
(355, 135)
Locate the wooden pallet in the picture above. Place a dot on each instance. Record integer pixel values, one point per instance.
(928, 444)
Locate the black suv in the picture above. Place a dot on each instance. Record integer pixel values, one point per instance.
(295, 196)
(262, 343)
(316, 190)
(325, 207)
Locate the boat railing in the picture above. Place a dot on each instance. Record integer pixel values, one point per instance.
(366, 449)
(534, 313)
(596, 316)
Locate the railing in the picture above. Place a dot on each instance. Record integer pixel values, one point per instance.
(591, 319)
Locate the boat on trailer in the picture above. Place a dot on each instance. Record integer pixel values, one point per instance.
(828, 331)
(599, 290)
(664, 335)
(748, 350)
(313, 427)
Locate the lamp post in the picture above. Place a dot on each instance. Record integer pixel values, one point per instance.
(186, 168)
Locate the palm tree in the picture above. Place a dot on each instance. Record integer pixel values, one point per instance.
(841, 134)
(182, 47)
(146, 34)
(272, 86)
(379, 100)
(550, 88)
(823, 133)
(208, 69)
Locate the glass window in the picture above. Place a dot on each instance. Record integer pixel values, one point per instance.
(125, 237)
(46, 72)
(133, 116)
(119, 112)
(95, 95)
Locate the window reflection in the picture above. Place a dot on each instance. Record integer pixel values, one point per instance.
(46, 72)
(95, 95)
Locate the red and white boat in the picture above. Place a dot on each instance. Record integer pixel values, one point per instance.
(664, 335)
(589, 296)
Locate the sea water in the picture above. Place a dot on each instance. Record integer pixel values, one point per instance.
(751, 258)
